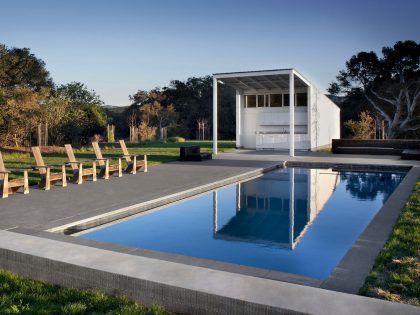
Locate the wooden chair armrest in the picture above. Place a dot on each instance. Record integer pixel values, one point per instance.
(131, 155)
(47, 166)
(4, 172)
(41, 166)
(19, 169)
(81, 161)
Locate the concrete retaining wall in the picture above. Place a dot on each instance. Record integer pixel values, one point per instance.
(180, 288)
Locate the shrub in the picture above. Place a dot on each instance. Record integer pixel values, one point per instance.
(175, 139)
(97, 138)
(364, 128)
(146, 132)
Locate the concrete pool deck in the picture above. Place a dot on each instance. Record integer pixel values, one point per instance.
(31, 251)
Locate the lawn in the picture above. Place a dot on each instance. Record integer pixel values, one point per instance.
(158, 152)
(20, 295)
(396, 273)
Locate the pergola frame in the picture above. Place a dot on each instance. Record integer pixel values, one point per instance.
(271, 79)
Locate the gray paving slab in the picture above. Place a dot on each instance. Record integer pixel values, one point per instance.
(45, 209)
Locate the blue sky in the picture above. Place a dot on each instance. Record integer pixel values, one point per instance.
(117, 47)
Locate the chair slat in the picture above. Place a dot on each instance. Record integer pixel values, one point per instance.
(98, 153)
(71, 157)
(39, 160)
(2, 167)
(132, 165)
(125, 151)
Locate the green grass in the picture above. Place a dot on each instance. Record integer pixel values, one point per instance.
(19, 295)
(158, 152)
(396, 273)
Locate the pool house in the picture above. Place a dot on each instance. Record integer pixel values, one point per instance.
(263, 116)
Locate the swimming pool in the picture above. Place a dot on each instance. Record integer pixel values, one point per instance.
(295, 220)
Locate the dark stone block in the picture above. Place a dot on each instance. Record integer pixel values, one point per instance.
(192, 153)
(374, 147)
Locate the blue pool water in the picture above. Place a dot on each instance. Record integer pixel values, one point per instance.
(300, 221)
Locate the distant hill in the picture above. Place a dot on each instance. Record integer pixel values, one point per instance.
(115, 108)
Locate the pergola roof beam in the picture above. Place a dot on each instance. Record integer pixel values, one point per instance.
(250, 86)
(259, 83)
(243, 83)
(283, 81)
(274, 82)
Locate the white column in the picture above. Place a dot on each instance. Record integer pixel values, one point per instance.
(238, 197)
(239, 98)
(292, 207)
(309, 124)
(214, 116)
(292, 114)
(215, 209)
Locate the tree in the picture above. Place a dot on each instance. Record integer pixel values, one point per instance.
(155, 110)
(86, 116)
(390, 84)
(193, 100)
(79, 94)
(18, 66)
(20, 113)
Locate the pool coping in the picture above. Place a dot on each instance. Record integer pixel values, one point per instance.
(347, 276)
(45, 258)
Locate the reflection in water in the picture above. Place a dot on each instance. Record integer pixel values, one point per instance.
(300, 221)
(366, 186)
(276, 209)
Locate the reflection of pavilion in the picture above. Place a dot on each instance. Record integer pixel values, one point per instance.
(276, 208)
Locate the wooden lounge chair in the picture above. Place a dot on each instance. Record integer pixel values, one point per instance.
(106, 169)
(80, 174)
(48, 178)
(133, 165)
(10, 186)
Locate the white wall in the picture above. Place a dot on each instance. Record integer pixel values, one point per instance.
(323, 114)
(273, 119)
(325, 120)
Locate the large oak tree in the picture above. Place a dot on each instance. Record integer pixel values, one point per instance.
(389, 83)
(19, 67)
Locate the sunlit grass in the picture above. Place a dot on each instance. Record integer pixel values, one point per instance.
(20, 295)
(396, 273)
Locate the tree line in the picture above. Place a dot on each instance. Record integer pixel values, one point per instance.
(74, 114)
(385, 88)
(182, 108)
